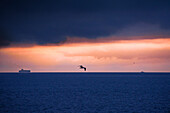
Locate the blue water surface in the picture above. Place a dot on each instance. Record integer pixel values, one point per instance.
(85, 93)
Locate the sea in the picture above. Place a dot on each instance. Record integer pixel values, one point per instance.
(86, 92)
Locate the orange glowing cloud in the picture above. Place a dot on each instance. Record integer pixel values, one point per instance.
(120, 55)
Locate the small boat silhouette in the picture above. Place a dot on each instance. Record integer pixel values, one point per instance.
(142, 72)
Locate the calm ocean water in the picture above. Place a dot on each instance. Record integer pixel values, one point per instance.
(85, 93)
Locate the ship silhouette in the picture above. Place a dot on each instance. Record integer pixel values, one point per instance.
(24, 71)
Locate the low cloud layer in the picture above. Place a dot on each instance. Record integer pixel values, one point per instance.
(124, 55)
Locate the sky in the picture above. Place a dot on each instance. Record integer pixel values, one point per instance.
(102, 35)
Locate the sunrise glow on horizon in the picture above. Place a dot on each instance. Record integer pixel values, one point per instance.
(114, 56)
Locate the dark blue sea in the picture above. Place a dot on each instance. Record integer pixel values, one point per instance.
(85, 93)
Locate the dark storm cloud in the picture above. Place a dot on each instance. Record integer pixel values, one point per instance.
(43, 21)
(4, 38)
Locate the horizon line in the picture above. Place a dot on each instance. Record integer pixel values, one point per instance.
(97, 72)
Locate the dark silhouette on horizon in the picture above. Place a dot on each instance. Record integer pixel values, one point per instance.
(81, 67)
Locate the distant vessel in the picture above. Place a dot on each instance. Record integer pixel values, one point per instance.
(142, 72)
(24, 71)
